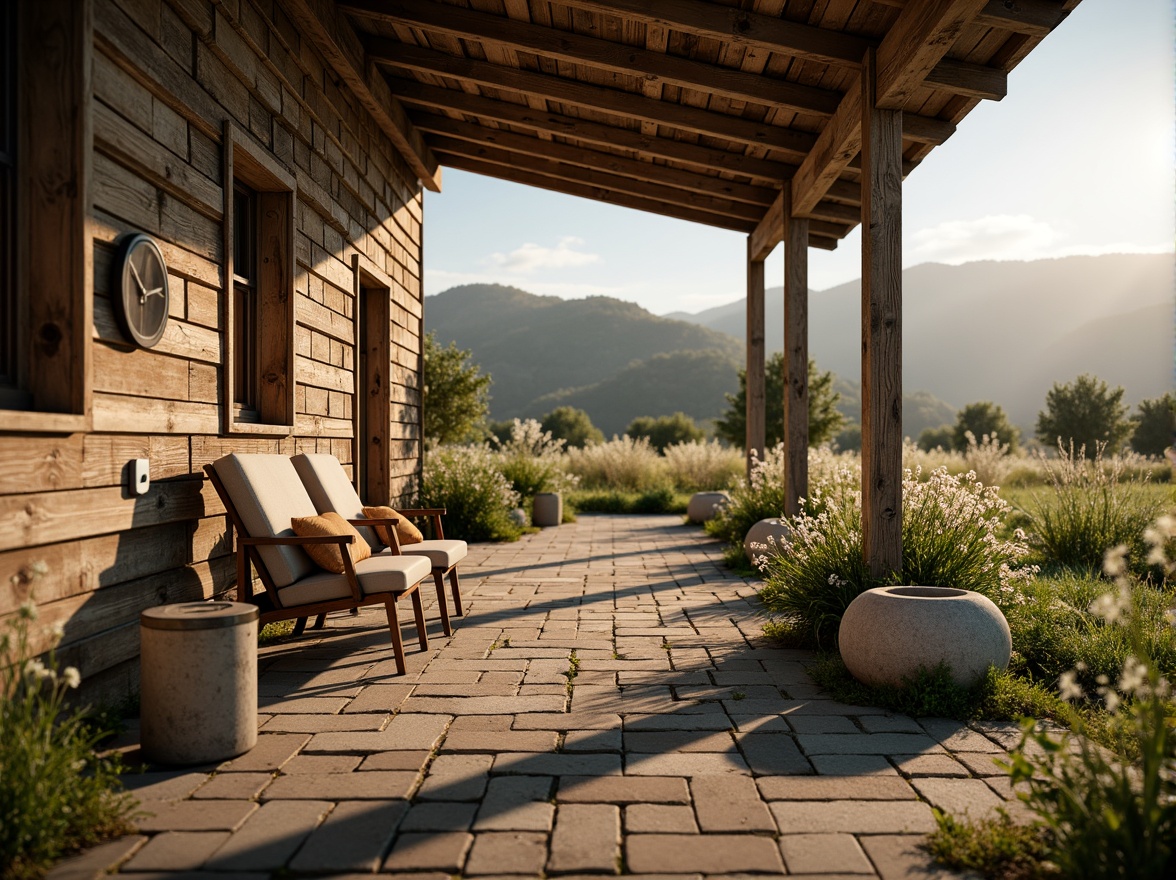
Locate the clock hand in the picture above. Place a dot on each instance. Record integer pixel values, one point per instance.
(138, 280)
(158, 291)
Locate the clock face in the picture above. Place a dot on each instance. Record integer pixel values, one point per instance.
(140, 294)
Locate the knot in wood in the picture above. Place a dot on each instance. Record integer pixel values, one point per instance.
(49, 338)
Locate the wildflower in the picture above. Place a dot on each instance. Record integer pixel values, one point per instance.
(71, 677)
(34, 668)
(1112, 607)
(1115, 561)
(1068, 687)
(28, 610)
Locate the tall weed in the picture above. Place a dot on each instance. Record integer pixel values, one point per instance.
(624, 463)
(533, 461)
(701, 467)
(478, 498)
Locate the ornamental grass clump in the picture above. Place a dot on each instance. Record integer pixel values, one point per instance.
(56, 794)
(701, 467)
(623, 463)
(533, 461)
(1088, 507)
(478, 499)
(951, 537)
(760, 497)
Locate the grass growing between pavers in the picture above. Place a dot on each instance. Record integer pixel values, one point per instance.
(997, 848)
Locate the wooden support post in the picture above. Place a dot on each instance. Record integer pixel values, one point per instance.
(796, 399)
(881, 329)
(756, 398)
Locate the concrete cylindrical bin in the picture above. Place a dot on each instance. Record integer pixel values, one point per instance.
(198, 681)
(547, 509)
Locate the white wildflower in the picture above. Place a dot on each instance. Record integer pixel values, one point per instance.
(1115, 561)
(1068, 687)
(71, 677)
(27, 610)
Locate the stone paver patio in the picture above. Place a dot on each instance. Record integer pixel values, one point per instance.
(606, 705)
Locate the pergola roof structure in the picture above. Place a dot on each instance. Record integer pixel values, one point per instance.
(702, 110)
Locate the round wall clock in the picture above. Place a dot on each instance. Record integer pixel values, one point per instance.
(138, 289)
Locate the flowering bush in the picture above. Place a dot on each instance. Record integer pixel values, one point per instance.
(56, 794)
(533, 461)
(701, 467)
(1108, 815)
(478, 498)
(624, 463)
(1094, 505)
(760, 497)
(950, 537)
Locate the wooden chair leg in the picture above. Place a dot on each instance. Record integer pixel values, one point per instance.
(439, 579)
(394, 631)
(418, 609)
(299, 626)
(456, 591)
(320, 621)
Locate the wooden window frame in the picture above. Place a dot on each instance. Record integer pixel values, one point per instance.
(52, 293)
(372, 414)
(247, 163)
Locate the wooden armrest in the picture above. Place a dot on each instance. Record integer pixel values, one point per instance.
(296, 539)
(422, 511)
(372, 521)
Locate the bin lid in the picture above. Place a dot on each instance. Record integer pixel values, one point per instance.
(199, 615)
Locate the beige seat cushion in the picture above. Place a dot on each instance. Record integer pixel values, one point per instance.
(382, 573)
(406, 532)
(267, 493)
(441, 554)
(330, 556)
(330, 489)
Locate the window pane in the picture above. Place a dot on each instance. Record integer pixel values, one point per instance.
(244, 233)
(244, 346)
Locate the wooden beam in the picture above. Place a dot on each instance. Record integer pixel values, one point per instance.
(569, 154)
(656, 67)
(759, 171)
(515, 174)
(765, 32)
(926, 129)
(1033, 18)
(756, 426)
(923, 33)
(330, 32)
(969, 80)
(448, 147)
(881, 330)
(796, 394)
(614, 101)
(836, 213)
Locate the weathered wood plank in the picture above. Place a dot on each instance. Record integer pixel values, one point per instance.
(796, 393)
(140, 372)
(50, 518)
(179, 337)
(35, 464)
(105, 456)
(153, 416)
(881, 332)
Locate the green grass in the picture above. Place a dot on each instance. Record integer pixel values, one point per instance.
(995, 848)
(617, 501)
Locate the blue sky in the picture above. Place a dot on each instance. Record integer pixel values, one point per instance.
(1079, 158)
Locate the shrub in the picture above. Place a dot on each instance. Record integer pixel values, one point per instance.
(666, 431)
(699, 467)
(573, 426)
(1110, 816)
(1085, 413)
(950, 538)
(532, 461)
(1090, 507)
(56, 794)
(615, 501)
(466, 481)
(760, 497)
(623, 463)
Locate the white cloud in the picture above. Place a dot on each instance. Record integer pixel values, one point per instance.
(529, 258)
(1007, 237)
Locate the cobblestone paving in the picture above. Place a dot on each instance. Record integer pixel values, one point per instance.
(607, 705)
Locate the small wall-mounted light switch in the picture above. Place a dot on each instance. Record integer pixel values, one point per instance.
(141, 475)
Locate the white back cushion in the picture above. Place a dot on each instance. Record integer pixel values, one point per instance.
(331, 490)
(267, 493)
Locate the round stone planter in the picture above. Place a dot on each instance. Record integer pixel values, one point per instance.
(198, 682)
(704, 505)
(766, 538)
(547, 509)
(519, 517)
(889, 633)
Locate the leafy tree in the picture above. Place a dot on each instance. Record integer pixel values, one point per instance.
(573, 426)
(936, 438)
(824, 419)
(1086, 412)
(666, 430)
(983, 417)
(1154, 425)
(456, 396)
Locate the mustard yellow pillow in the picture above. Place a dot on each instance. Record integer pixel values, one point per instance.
(329, 556)
(405, 530)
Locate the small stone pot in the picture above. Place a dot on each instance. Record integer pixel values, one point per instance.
(547, 509)
(889, 633)
(704, 505)
(766, 538)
